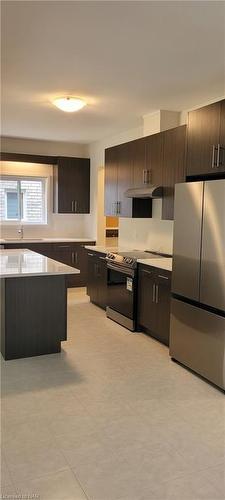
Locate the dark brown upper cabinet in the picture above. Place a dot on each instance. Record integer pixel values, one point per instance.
(71, 179)
(128, 165)
(138, 154)
(125, 179)
(158, 159)
(147, 157)
(120, 163)
(173, 167)
(206, 140)
(154, 158)
(111, 180)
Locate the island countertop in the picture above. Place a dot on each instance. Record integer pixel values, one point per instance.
(17, 263)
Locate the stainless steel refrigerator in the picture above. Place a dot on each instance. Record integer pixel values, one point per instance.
(197, 326)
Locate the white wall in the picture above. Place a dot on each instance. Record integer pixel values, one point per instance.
(69, 225)
(147, 234)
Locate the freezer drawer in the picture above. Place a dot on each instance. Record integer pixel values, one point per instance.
(197, 340)
(212, 284)
(187, 239)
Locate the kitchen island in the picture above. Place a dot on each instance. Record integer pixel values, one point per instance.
(33, 303)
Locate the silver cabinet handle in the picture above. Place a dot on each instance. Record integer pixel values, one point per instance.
(161, 276)
(153, 292)
(157, 294)
(146, 272)
(72, 205)
(102, 258)
(146, 176)
(118, 207)
(213, 156)
(75, 206)
(74, 257)
(218, 156)
(91, 254)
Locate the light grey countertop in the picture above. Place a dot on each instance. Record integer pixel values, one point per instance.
(16, 263)
(102, 249)
(43, 240)
(162, 263)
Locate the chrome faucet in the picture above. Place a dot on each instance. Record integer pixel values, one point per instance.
(20, 232)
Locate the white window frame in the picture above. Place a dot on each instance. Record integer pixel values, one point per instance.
(44, 180)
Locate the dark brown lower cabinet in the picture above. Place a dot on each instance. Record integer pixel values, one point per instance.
(33, 315)
(69, 253)
(153, 314)
(97, 279)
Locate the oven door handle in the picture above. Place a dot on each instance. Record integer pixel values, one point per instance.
(121, 269)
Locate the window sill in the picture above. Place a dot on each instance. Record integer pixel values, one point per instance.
(20, 223)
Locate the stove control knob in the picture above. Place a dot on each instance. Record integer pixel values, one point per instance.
(111, 256)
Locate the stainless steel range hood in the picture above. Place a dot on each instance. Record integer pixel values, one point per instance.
(148, 191)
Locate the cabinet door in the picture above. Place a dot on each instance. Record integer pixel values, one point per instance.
(125, 179)
(162, 298)
(92, 285)
(80, 261)
(111, 181)
(221, 153)
(173, 167)
(146, 299)
(102, 282)
(65, 182)
(154, 158)
(203, 138)
(62, 253)
(73, 185)
(138, 153)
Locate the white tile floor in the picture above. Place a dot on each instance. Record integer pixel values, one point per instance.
(110, 418)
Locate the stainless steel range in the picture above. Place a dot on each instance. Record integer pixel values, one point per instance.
(122, 286)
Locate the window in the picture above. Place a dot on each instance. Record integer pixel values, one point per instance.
(23, 199)
(12, 205)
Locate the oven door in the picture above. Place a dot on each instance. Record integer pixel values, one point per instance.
(121, 289)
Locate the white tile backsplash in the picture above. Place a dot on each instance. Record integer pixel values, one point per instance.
(147, 234)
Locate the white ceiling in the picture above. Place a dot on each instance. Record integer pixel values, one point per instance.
(126, 58)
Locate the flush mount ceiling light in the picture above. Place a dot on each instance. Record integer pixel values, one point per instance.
(69, 104)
